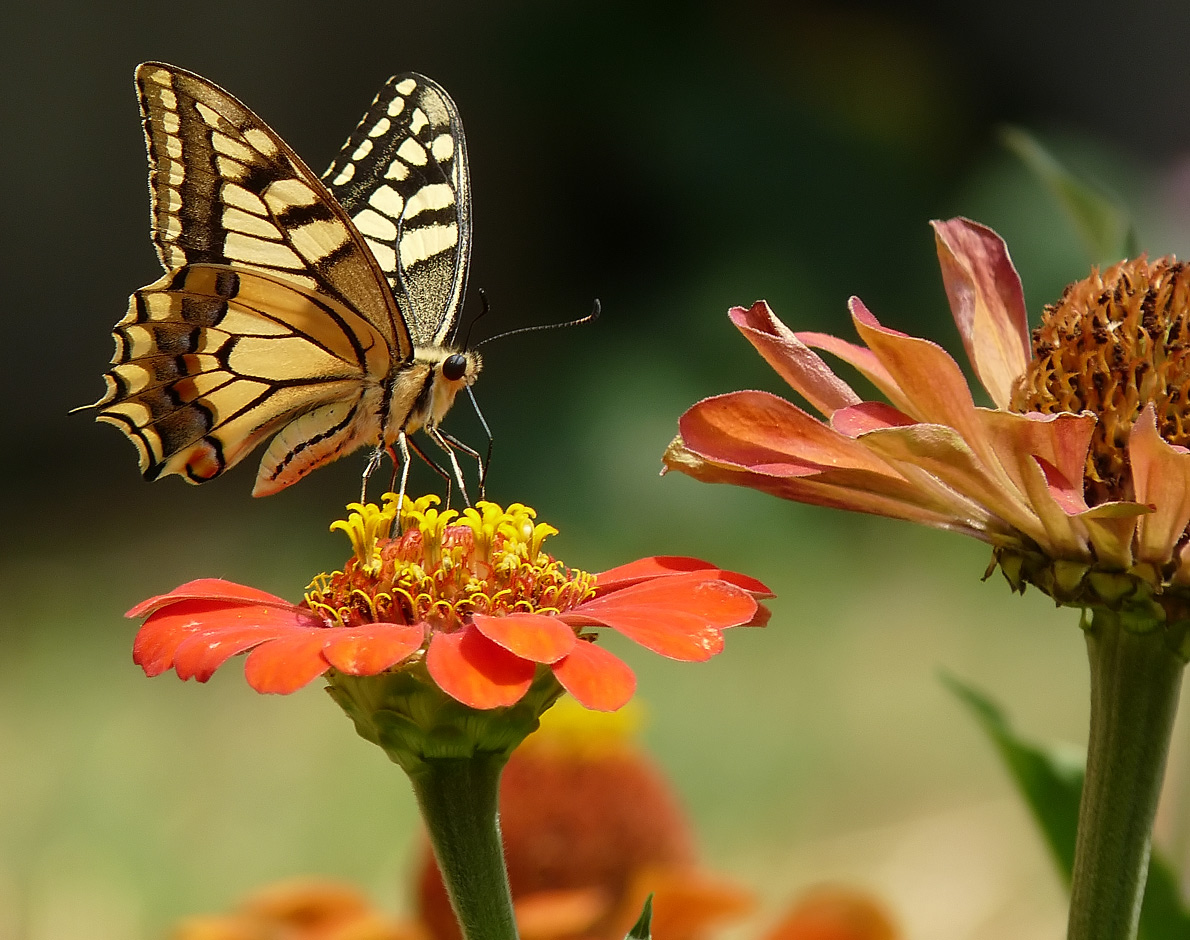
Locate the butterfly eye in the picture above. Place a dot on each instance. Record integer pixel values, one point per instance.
(454, 367)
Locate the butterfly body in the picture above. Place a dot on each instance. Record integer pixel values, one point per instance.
(321, 313)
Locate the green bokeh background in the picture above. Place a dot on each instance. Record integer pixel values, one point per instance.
(672, 160)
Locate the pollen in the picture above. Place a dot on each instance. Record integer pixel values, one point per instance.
(440, 566)
(1114, 342)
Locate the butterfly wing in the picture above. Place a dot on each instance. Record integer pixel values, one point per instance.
(227, 190)
(403, 178)
(211, 360)
(274, 315)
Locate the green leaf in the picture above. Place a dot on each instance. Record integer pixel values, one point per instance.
(1101, 221)
(1051, 781)
(642, 929)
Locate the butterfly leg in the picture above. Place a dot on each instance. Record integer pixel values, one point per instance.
(448, 448)
(487, 460)
(438, 469)
(450, 443)
(373, 463)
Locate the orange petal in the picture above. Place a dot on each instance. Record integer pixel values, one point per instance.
(198, 656)
(663, 566)
(210, 589)
(286, 665)
(863, 360)
(169, 626)
(769, 435)
(538, 638)
(987, 302)
(1161, 478)
(916, 498)
(836, 913)
(371, 649)
(475, 671)
(548, 915)
(934, 386)
(792, 359)
(596, 678)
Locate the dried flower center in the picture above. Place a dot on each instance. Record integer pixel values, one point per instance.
(445, 566)
(1114, 342)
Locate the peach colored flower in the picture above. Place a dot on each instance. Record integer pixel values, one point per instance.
(1077, 476)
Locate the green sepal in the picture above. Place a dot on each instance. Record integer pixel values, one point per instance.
(643, 928)
(1101, 222)
(404, 712)
(1051, 781)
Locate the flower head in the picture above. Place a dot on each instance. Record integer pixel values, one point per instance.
(1078, 476)
(456, 614)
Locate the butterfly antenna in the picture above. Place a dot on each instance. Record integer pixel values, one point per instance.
(483, 298)
(581, 321)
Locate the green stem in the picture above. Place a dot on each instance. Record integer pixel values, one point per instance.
(1135, 680)
(459, 798)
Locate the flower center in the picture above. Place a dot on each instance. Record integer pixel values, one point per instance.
(444, 567)
(1114, 342)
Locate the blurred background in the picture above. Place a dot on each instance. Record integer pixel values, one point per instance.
(672, 160)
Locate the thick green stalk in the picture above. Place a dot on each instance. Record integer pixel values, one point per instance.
(459, 800)
(1135, 680)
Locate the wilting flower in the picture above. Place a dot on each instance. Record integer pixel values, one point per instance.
(591, 827)
(1078, 476)
(469, 604)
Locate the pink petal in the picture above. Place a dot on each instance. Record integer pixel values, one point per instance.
(539, 638)
(861, 359)
(795, 362)
(987, 302)
(923, 501)
(285, 665)
(210, 589)
(868, 416)
(475, 671)
(596, 678)
(768, 435)
(935, 389)
(371, 649)
(1161, 479)
(663, 566)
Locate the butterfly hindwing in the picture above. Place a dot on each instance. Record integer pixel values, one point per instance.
(211, 360)
(403, 178)
(227, 190)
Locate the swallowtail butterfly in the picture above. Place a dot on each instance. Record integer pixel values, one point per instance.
(317, 310)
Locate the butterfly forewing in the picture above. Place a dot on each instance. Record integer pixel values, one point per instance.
(403, 178)
(227, 190)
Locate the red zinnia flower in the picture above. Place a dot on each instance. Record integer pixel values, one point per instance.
(472, 599)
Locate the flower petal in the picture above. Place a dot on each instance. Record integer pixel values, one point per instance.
(371, 649)
(477, 672)
(863, 360)
(287, 664)
(663, 566)
(769, 435)
(680, 617)
(598, 679)
(934, 386)
(539, 638)
(211, 589)
(792, 359)
(198, 656)
(1161, 479)
(987, 302)
(169, 626)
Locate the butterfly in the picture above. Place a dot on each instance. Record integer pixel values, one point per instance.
(318, 312)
